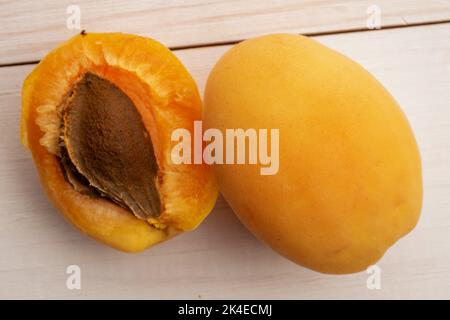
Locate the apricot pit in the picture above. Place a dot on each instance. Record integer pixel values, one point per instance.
(108, 145)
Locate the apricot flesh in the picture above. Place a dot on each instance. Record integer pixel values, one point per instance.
(97, 115)
(349, 183)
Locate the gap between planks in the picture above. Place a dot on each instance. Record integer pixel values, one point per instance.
(231, 42)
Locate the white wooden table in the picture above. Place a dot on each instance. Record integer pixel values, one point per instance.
(410, 55)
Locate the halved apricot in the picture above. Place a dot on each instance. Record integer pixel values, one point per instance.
(97, 114)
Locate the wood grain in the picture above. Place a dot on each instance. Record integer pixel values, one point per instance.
(221, 259)
(29, 29)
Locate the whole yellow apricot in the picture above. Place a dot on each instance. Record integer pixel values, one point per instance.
(349, 183)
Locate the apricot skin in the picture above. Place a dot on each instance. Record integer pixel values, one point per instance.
(166, 97)
(349, 184)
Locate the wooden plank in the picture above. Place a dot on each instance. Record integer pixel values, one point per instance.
(29, 29)
(221, 259)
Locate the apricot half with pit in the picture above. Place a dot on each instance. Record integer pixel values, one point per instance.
(349, 181)
(97, 114)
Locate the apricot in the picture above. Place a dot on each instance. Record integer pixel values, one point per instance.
(97, 115)
(349, 181)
